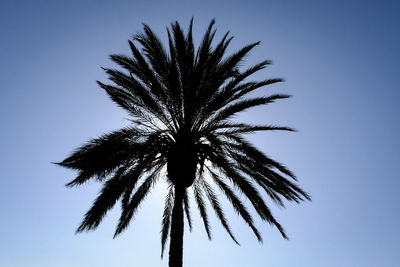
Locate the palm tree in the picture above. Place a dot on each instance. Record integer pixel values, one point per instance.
(182, 102)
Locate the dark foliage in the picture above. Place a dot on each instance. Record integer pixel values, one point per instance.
(182, 101)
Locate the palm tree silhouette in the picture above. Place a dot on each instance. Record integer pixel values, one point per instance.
(182, 102)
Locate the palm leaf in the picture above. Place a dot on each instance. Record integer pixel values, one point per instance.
(136, 199)
(199, 198)
(187, 210)
(217, 208)
(236, 203)
(166, 220)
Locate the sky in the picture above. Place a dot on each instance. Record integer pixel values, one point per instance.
(340, 61)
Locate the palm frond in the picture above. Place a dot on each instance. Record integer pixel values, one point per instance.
(246, 88)
(236, 202)
(154, 51)
(248, 149)
(131, 94)
(217, 208)
(243, 105)
(166, 220)
(187, 210)
(101, 156)
(135, 200)
(248, 190)
(269, 179)
(242, 128)
(111, 192)
(199, 198)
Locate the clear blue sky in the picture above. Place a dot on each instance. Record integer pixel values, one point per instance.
(340, 60)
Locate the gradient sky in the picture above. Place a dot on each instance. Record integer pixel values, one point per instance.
(340, 60)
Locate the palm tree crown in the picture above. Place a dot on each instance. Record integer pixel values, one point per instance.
(182, 101)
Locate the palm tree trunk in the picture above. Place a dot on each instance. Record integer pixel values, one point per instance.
(177, 224)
